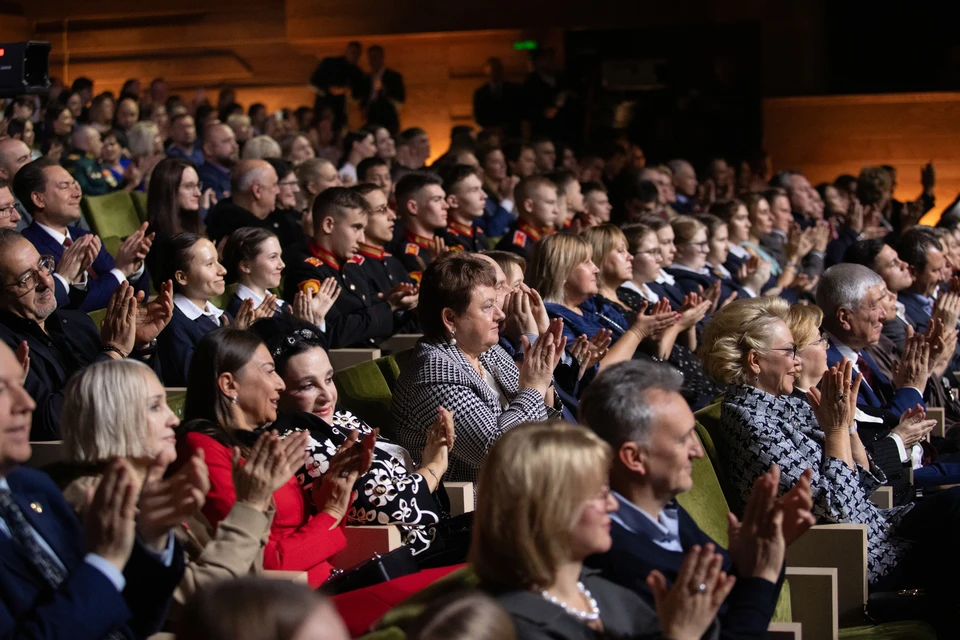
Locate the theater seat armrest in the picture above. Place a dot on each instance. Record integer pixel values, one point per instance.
(883, 498)
(401, 342)
(292, 576)
(44, 453)
(842, 547)
(461, 497)
(813, 600)
(940, 429)
(785, 631)
(363, 542)
(344, 358)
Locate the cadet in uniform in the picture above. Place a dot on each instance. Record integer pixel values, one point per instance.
(537, 211)
(466, 200)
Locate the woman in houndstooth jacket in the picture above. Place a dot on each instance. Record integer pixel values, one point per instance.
(459, 365)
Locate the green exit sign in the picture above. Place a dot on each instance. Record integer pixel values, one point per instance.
(525, 45)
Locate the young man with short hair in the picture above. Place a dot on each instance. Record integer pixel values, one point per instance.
(360, 317)
(375, 171)
(466, 199)
(422, 207)
(537, 212)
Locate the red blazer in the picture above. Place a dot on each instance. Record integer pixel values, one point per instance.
(298, 540)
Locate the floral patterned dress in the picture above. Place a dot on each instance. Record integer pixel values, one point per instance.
(389, 493)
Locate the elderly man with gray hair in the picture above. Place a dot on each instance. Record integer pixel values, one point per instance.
(254, 187)
(637, 409)
(852, 298)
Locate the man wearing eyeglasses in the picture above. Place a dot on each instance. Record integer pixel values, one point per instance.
(54, 344)
(52, 196)
(13, 155)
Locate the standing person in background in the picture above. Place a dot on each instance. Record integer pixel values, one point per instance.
(384, 92)
(334, 79)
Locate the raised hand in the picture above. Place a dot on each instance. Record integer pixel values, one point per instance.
(796, 505)
(165, 503)
(914, 366)
(541, 358)
(661, 318)
(914, 426)
(133, 250)
(537, 308)
(23, 357)
(440, 439)
(688, 608)
(76, 259)
(119, 328)
(757, 544)
(109, 523)
(404, 296)
(155, 315)
(270, 465)
(437, 247)
(333, 491)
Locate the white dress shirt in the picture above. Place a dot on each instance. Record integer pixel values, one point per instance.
(192, 311)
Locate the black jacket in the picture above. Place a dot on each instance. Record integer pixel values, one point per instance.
(226, 217)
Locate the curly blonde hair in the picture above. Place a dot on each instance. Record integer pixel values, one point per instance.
(737, 328)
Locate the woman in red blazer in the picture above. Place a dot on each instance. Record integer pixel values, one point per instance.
(232, 389)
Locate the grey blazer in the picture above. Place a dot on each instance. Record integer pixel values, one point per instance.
(438, 374)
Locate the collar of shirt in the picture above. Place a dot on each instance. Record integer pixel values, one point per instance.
(901, 311)
(923, 300)
(719, 270)
(531, 230)
(246, 292)
(781, 234)
(53, 233)
(664, 530)
(702, 272)
(460, 229)
(370, 251)
(421, 241)
(323, 255)
(192, 311)
(845, 351)
(739, 251)
(643, 290)
(665, 278)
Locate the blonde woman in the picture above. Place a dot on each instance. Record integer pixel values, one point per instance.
(750, 346)
(563, 271)
(544, 505)
(119, 410)
(260, 148)
(146, 149)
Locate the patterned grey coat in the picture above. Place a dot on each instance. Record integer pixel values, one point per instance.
(438, 374)
(758, 429)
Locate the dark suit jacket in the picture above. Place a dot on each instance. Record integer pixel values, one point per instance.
(690, 282)
(382, 110)
(916, 313)
(87, 605)
(885, 396)
(70, 343)
(99, 289)
(671, 292)
(501, 109)
(624, 614)
(176, 343)
(747, 610)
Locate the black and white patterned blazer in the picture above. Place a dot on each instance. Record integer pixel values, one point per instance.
(758, 429)
(438, 374)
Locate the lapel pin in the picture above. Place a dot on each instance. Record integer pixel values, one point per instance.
(36, 507)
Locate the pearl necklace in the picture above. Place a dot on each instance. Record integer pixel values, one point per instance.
(589, 616)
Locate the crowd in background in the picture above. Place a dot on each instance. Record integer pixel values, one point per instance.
(577, 305)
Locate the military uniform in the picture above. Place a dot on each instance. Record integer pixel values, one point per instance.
(470, 237)
(359, 318)
(520, 238)
(382, 273)
(413, 251)
(86, 170)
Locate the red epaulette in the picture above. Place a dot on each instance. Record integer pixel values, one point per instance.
(412, 249)
(519, 238)
(357, 259)
(314, 262)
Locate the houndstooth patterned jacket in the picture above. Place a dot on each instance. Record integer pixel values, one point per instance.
(758, 429)
(438, 374)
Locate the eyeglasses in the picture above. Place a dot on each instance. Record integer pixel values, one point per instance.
(6, 212)
(287, 183)
(381, 209)
(30, 281)
(704, 246)
(190, 186)
(791, 350)
(653, 253)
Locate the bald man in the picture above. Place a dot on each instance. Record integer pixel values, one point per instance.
(254, 189)
(83, 162)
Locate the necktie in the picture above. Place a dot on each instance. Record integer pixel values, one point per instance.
(90, 272)
(868, 375)
(53, 573)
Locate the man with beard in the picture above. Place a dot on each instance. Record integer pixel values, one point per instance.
(220, 154)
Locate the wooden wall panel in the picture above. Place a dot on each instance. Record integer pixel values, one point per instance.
(828, 136)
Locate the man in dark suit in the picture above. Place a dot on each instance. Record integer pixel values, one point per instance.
(60, 343)
(52, 197)
(636, 407)
(926, 258)
(334, 79)
(497, 105)
(61, 580)
(384, 93)
(360, 317)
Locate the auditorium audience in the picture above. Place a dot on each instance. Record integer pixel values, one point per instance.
(423, 210)
(357, 146)
(254, 193)
(233, 389)
(466, 201)
(544, 507)
(459, 365)
(537, 213)
(183, 139)
(64, 580)
(637, 410)
(499, 207)
(52, 197)
(261, 147)
(221, 153)
(118, 170)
